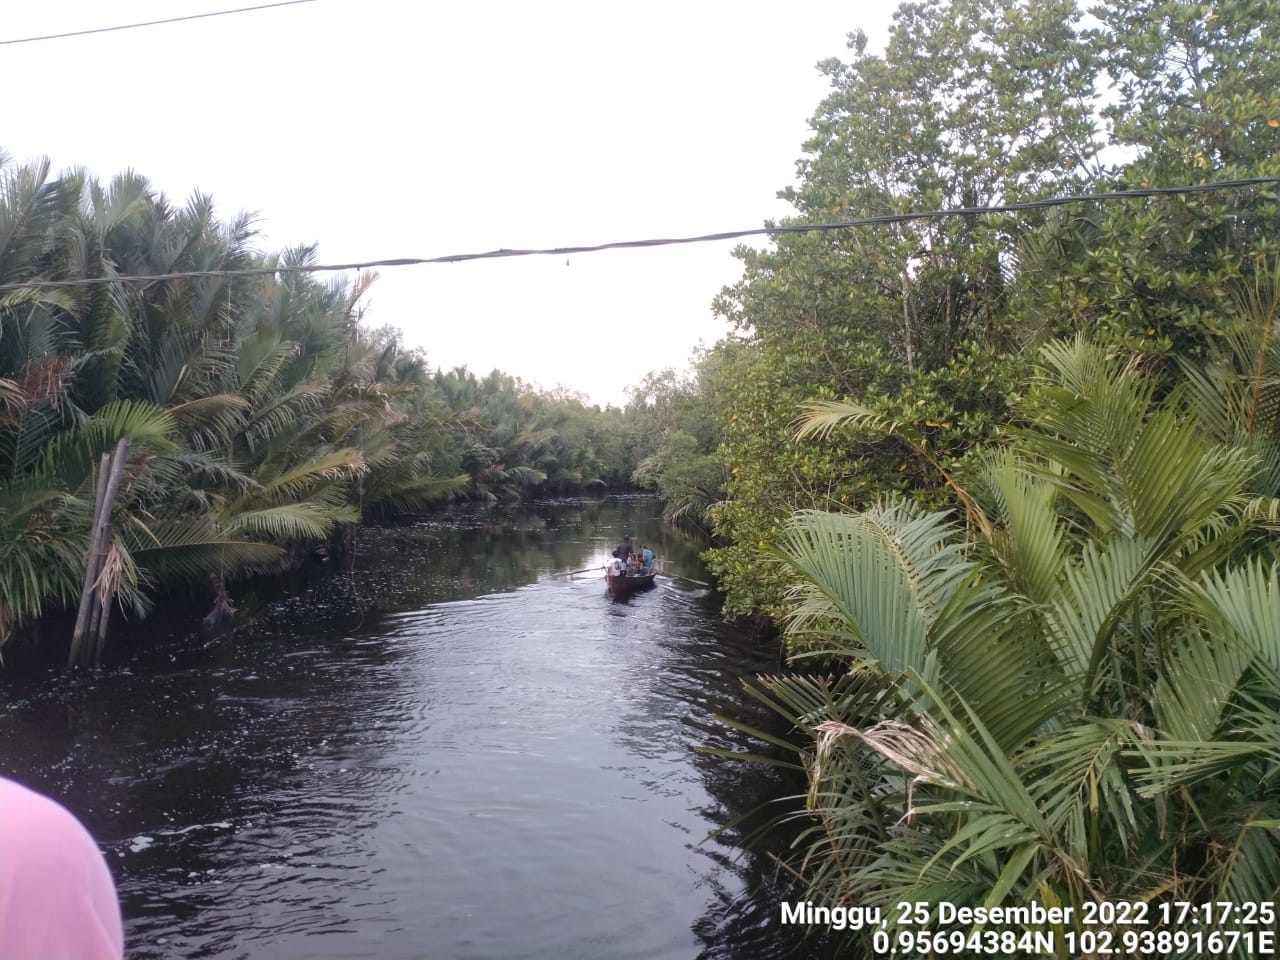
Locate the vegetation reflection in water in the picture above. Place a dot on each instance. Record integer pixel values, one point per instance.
(452, 750)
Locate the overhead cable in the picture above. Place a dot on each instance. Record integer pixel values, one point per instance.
(771, 231)
(152, 23)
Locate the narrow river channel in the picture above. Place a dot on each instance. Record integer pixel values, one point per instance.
(454, 751)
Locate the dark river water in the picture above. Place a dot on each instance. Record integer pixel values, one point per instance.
(454, 751)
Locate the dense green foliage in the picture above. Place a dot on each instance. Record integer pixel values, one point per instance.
(517, 441)
(1045, 596)
(1014, 477)
(929, 322)
(1074, 697)
(261, 418)
(679, 420)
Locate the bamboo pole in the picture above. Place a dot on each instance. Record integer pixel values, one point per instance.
(114, 465)
(95, 616)
(105, 592)
(103, 618)
(101, 604)
(90, 562)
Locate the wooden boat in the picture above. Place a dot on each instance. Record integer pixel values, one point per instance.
(629, 583)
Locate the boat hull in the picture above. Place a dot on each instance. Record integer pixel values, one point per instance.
(629, 584)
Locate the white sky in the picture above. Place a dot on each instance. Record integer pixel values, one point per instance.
(385, 128)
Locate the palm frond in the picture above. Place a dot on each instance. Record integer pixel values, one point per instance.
(290, 521)
(875, 579)
(820, 418)
(301, 478)
(1242, 603)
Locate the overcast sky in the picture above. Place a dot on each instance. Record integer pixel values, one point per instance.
(385, 128)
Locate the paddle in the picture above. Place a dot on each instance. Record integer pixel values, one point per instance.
(583, 570)
(700, 583)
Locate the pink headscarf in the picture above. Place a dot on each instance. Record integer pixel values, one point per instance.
(57, 900)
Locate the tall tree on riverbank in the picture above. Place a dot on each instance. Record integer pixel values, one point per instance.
(1194, 97)
(680, 421)
(972, 104)
(926, 322)
(1064, 688)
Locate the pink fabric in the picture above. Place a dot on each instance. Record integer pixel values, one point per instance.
(57, 899)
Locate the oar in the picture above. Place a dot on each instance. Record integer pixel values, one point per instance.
(583, 570)
(700, 583)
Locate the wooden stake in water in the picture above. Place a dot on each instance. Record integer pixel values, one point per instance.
(108, 483)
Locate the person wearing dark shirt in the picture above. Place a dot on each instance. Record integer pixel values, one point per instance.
(624, 550)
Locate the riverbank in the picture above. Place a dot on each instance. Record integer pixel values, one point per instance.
(353, 579)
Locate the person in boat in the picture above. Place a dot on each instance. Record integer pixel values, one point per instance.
(647, 554)
(615, 567)
(624, 551)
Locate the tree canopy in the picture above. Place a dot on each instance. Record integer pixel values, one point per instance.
(243, 419)
(931, 322)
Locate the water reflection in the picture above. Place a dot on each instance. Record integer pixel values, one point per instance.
(453, 749)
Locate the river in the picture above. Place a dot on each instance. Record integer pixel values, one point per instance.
(455, 750)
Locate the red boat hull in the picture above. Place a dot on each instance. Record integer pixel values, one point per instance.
(629, 584)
